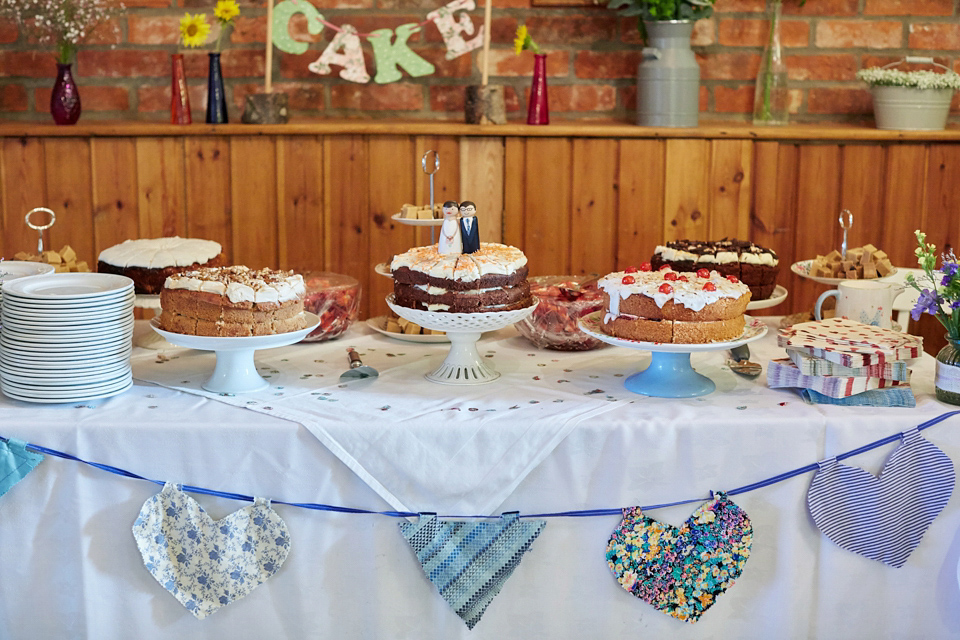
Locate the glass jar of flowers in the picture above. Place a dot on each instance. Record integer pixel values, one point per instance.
(65, 24)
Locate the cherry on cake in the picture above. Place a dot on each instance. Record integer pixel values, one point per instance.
(149, 261)
(755, 266)
(491, 279)
(232, 302)
(669, 306)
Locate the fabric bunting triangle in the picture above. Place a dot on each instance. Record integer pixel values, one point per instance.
(469, 562)
(15, 463)
(885, 517)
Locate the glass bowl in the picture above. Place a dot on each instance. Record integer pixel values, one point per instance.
(563, 299)
(335, 298)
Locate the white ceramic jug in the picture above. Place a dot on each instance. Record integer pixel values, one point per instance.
(866, 301)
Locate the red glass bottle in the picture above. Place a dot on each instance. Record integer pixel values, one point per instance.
(538, 112)
(179, 96)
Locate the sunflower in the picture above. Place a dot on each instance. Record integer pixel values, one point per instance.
(523, 41)
(226, 11)
(194, 29)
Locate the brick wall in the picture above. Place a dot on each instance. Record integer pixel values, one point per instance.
(593, 55)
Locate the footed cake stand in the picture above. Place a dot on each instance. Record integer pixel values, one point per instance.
(235, 371)
(670, 374)
(463, 364)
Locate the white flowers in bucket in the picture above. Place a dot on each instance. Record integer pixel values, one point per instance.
(911, 100)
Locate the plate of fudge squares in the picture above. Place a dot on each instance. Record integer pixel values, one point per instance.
(859, 263)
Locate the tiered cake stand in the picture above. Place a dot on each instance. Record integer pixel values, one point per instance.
(670, 374)
(463, 364)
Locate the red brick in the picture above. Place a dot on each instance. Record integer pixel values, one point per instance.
(153, 29)
(908, 8)
(397, 96)
(234, 63)
(249, 30)
(859, 33)
(9, 32)
(729, 66)
(572, 30)
(29, 64)
(824, 8)
(366, 24)
(300, 97)
(502, 30)
(741, 6)
(831, 68)
(342, 4)
(158, 4)
(614, 64)
(628, 97)
(938, 35)
(459, 67)
(13, 97)
(292, 66)
(755, 33)
(584, 97)
(839, 101)
(445, 98)
(157, 98)
(92, 98)
(123, 63)
(505, 62)
(733, 99)
(426, 6)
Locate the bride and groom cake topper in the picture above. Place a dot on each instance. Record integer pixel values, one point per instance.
(459, 232)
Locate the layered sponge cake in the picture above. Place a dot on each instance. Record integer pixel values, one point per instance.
(233, 302)
(755, 266)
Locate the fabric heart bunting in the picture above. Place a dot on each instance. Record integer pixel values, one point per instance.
(883, 518)
(681, 571)
(15, 463)
(208, 564)
(469, 562)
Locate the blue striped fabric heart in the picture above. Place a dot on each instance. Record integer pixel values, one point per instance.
(469, 562)
(885, 517)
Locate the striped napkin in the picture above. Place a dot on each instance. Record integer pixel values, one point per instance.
(784, 373)
(849, 343)
(810, 366)
(893, 397)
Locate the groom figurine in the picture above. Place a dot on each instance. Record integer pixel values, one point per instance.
(469, 231)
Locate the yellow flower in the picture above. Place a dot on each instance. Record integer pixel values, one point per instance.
(194, 29)
(226, 11)
(521, 38)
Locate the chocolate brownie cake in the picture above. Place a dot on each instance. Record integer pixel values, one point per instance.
(232, 302)
(491, 279)
(149, 261)
(667, 306)
(755, 266)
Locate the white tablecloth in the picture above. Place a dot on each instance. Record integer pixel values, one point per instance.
(69, 566)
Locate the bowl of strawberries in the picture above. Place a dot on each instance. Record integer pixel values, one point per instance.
(563, 299)
(335, 298)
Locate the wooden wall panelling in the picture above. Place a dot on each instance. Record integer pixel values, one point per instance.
(116, 197)
(69, 192)
(347, 211)
(514, 191)
(447, 181)
(253, 191)
(547, 166)
(686, 189)
(861, 190)
(23, 189)
(161, 187)
(593, 219)
(730, 189)
(207, 191)
(301, 242)
(773, 216)
(818, 202)
(640, 216)
(904, 207)
(481, 182)
(391, 184)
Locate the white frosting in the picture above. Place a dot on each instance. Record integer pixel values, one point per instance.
(759, 258)
(675, 254)
(241, 284)
(491, 259)
(160, 253)
(690, 294)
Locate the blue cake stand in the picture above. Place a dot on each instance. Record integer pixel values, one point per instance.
(670, 374)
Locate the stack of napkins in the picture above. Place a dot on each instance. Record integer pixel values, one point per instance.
(840, 361)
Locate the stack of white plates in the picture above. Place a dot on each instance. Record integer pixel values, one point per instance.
(66, 337)
(11, 270)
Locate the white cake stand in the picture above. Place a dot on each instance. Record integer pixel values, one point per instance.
(463, 364)
(235, 371)
(670, 374)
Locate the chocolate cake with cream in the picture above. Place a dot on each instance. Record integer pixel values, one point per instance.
(755, 266)
(149, 261)
(491, 279)
(232, 302)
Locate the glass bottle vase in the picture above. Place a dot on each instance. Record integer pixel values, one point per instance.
(771, 100)
(216, 99)
(179, 96)
(948, 373)
(65, 99)
(538, 111)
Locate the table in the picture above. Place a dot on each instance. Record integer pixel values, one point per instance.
(69, 566)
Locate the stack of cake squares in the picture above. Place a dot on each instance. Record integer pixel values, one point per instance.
(840, 361)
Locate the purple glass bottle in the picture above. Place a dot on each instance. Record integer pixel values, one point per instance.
(65, 99)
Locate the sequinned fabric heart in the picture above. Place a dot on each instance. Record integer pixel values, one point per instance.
(681, 571)
(883, 518)
(207, 564)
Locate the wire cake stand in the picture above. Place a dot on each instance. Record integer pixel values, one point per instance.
(463, 364)
(670, 374)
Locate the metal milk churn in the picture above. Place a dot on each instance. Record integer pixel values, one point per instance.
(668, 79)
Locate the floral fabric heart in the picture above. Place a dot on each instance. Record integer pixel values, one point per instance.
(15, 463)
(207, 564)
(469, 562)
(885, 517)
(681, 571)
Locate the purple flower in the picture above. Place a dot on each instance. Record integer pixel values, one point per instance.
(950, 269)
(926, 303)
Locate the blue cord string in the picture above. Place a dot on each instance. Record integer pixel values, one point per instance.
(584, 513)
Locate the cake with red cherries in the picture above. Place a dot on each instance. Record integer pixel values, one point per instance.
(232, 302)
(755, 266)
(491, 279)
(149, 261)
(669, 306)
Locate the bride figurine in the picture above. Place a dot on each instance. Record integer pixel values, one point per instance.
(450, 242)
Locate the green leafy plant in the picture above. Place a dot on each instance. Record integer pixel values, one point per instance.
(657, 10)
